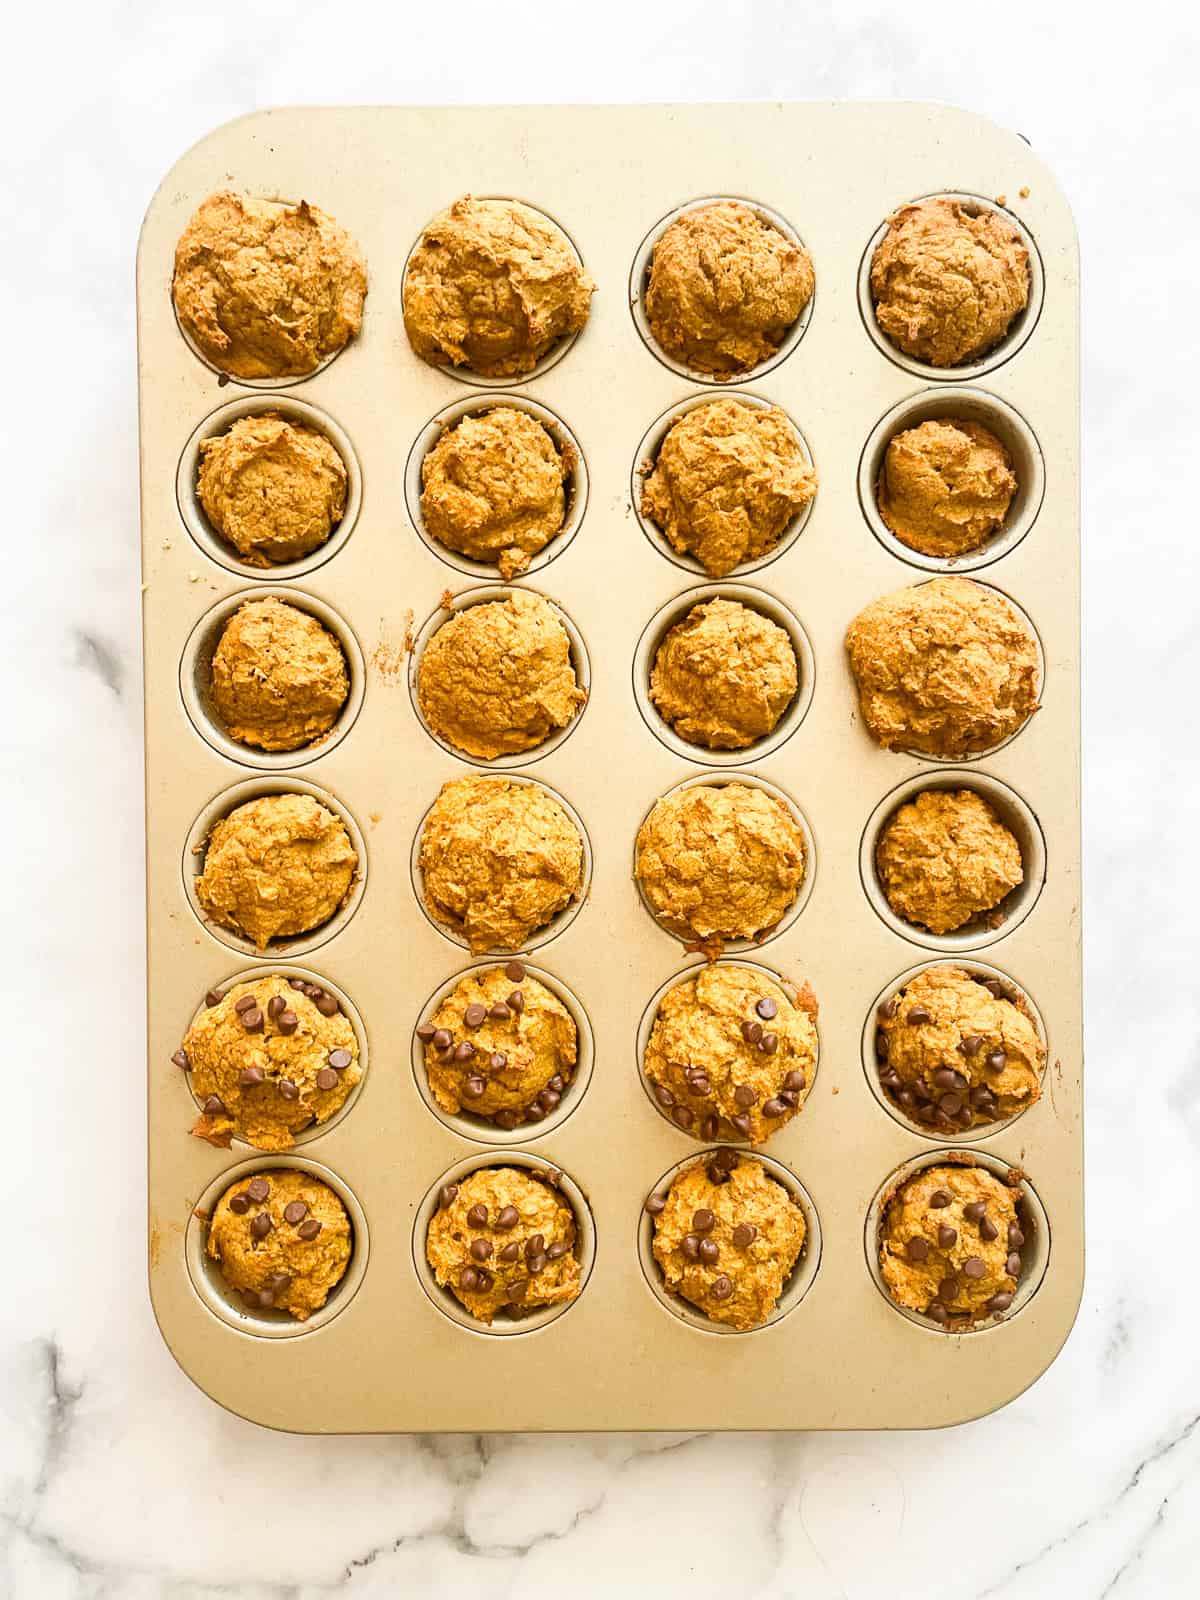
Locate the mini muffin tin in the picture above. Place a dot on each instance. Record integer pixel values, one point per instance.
(391, 1351)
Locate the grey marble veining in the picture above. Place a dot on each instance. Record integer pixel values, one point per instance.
(120, 1481)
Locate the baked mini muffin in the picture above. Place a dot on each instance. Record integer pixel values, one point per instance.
(950, 1244)
(276, 867)
(732, 1053)
(269, 1058)
(725, 286)
(282, 1240)
(719, 861)
(278, 676)
(727, 1237)
(945, 486)
(728, 479)
(273, 488)
(948, 668)
(948, 280)
(500, 860)
(267, 290)
(503, 1242)
(501, 1046)
(497, 678)
(945, 859)
(492, 488)
(954, 1051)
(723, 676)
(492, 285)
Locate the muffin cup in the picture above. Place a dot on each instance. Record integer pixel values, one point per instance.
(195, 850)
(1013, 813)
(639, 279)
(962, 405)
(1019, 329)
(795, 1287)
(661, 623)
(541, 936)
(195, 680)
(223, 1301)
(646, 1025)
(647, 456)
(557, 350)
(540, 1317)
(580, 661)
(480, 1130)
(575, 487)
(977, 969)
(1035, 1224)
(352, 1014)
(195, 517)
(718, 780)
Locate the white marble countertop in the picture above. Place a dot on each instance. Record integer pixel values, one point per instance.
(117, 1477)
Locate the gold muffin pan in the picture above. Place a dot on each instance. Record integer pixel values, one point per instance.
(392, 1351)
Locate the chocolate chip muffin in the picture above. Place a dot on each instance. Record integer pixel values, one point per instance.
(269, 1058)
(282, 1240)
(273, 488)
(725, 286)
(499, 859)
(278, 678)
(497, 678)
(950, 1245)
(948, 668)
(732, 1053)
(946, 486)
(948, 280)
(727, 1237)
(493, 488)
(267, 290)
(503, 1242)
(945, 859)
(501, 1046)
(718, 862)
(723, 676)
(493, 285)
(276, 867)
(728, 480)
(955, 1051)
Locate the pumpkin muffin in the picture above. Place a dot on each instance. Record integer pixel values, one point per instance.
(945, 859)
(945, 486)
(723, 676)
(278, 677)
(282, 1240)
(272, 488)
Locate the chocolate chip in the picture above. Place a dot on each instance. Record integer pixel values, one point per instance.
(477, 1216)
(464, 1050)
(716, 1174)
(790, 1098)
(327, 1005)
(511, 1252)
(722, 1288)
(245, 1002)
(426, 1032)
(971, 1045)
(994, 1061)
(468, 1279)
(974, 1210)
(683, 1116)
(250, 1077)
(258, 1189)
(794, 1082)
(288, 1090)
(690, 1245)
(514, 970)
(946, 1236)
(774, 1108)
(535, 1244)
(889, 1008)
(664, 1096)
(481, 1249)
(699, 1084)
(473, 1087)
(314, 991)
(752, 1032)
(446, 1195)
(918, 1015)
(655, 1204)
(262, 1225)
(275, 1005)
(1015, 1237)
(288, 1022)
(710, 1252)
(947, 1078)
(709, 1128)
(948, 1290)
(516, 1001)
(213, 1106)
(485, 1280)
(937, 1311)
(767, 1008)
(769, 1043)
(213, 998)
(507, 1218)
(499, 1012)
(327, 1078)
(556, 1251)
(999, 1302)
(180, 1059)
(994, 987)
(298, 983)
(703, 1220)
(951, 1104)
(988, 1229)
(309, 1229)
(727, 1158)
(252, 1020)
(974, 1267)
(1013, 1265)
(506, 1120)
(339, 1060)
(917, 1249)
(744, 1234)
(742, 1124)
(744, 1095)
(239, 1204)
(475, 1015)
(881, 1046)
(278, 1283)
(295, 1211)
(442, 1039)
(535, 1111)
